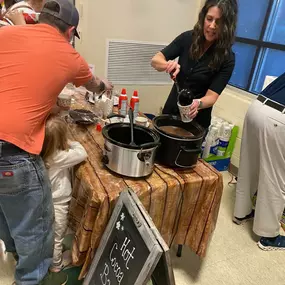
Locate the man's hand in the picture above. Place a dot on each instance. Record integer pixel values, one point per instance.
(108, 85)
(97, 85)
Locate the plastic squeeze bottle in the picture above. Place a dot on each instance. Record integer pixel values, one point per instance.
(123, 102)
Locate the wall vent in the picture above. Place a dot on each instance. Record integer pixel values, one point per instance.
(128, 62)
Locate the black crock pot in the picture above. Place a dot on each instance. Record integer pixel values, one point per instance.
(178, 151)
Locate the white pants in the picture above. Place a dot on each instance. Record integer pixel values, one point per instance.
(60, 228)
(262, 169)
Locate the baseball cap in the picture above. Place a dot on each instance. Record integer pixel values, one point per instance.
(67, 13)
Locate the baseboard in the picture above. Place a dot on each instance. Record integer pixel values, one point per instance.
(233, 170)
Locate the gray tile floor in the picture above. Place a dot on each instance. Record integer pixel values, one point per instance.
(233, 257)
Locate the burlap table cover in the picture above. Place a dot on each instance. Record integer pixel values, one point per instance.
(183, 204)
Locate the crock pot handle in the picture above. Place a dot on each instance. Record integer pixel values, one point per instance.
(195, 150)
(183, 148)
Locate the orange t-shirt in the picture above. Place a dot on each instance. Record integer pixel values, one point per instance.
(36, 62)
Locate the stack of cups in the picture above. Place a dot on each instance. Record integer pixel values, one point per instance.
(222, 128)
(218, 138)
(215, 142)
(224, 140)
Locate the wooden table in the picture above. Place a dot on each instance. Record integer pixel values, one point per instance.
(183, 204)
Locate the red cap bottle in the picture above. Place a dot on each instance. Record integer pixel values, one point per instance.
(123, 102)
(135, 101)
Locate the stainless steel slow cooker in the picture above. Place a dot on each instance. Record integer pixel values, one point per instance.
(122, 158)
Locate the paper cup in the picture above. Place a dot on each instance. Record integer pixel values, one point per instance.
(64, 101)
(142, 121)
(185, 113)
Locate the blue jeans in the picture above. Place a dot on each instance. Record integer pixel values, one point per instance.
(26, 214)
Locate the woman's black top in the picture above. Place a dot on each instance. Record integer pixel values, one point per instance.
(196, 75)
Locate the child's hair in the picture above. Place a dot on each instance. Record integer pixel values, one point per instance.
(56, 138)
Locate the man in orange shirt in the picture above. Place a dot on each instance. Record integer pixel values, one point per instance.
(36, 63)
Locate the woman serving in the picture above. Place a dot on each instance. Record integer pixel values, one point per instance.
(206, 60)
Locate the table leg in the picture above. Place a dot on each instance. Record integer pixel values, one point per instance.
(179, 250)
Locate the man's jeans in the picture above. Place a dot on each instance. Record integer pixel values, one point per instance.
(26, 214)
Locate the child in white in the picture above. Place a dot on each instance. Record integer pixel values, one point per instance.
(60, 155)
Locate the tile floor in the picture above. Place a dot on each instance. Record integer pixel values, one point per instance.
(233, 257)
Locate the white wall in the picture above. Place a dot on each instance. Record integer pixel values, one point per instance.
(142, 20)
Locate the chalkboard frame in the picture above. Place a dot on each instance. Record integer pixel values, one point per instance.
(165, 258)
(146, 233)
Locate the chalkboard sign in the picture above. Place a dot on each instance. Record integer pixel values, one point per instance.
(128, 252)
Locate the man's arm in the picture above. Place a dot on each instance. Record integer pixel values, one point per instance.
(97, 85)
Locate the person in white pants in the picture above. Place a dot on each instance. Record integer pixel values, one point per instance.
(262, 166)
(60, 155)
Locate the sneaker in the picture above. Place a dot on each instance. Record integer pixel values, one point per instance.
(240, 221)
(66, 260)
(277, 243)
(51, 278)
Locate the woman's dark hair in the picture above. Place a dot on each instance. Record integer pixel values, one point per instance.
(226, 35)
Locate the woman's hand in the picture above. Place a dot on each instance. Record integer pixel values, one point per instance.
(16, 17)
(194, 108)
(160, 63)
(173, 68)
